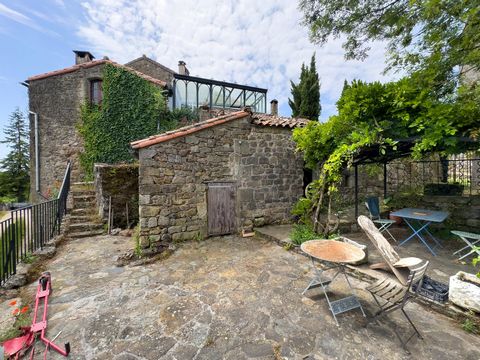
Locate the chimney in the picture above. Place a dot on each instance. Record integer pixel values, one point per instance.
(82, 57)
(274, 107)
(182, 68)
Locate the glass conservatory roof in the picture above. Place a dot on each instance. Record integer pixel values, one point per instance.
(193, 91)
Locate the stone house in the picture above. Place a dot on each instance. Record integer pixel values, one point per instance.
(55, 99)
(219, 176)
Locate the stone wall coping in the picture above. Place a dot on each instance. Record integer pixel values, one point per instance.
(104, 165)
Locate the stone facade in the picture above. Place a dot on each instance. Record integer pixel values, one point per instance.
(57, 98)
(118, 184)
(152, 68)
(57, 101)
(174, 177)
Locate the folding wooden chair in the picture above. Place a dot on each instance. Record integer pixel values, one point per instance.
(393, 262)
(373, 208)
(471, 240)
(395, 296)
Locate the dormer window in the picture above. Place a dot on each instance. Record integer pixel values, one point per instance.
(96, 92)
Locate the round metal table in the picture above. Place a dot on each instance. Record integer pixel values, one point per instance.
(333, 255)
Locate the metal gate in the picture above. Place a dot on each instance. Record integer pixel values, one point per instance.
(221, 208)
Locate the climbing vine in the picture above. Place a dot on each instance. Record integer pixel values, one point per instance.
(131, 109)
(378, 114)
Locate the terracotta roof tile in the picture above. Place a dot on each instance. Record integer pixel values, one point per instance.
(279, 121)
(92, 64)
(189, 129)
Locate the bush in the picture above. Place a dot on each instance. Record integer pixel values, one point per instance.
(302, 233)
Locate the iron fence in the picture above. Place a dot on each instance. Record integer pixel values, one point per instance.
(458, 175)
(29, 228)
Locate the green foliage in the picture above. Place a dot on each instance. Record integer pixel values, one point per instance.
(435, 37)
(303, 210)
(470, 326)
(131, 109)
(302, 233)
(476, 260)
(15, 180)
(305, 100)
(5, 239)
(21, 320)
(380, 114)
(136, 237)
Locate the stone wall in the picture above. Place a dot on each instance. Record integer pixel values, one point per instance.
(173, 179)
(152, 68)
(57, 101)
(464, 210)
(120, 183)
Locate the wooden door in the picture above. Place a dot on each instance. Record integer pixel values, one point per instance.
(221, 208)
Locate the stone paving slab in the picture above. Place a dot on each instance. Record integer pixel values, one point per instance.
(222, 298)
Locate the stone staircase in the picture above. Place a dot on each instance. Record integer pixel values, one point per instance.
(84, 220)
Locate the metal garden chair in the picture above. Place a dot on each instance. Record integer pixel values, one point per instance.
(395, 296)
(373, 208)
(471, 240)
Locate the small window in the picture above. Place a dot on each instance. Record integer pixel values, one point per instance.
(96, 92)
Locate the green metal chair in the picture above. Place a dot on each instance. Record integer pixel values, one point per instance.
(395, 296)
(373, 207)
(471, 240)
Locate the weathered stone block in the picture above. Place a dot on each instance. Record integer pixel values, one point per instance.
(464, 291)
(149, 211)
(152, 222)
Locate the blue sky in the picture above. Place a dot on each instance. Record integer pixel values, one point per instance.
(248, 41)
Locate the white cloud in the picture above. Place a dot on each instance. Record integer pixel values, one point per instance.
(23, 19)
(252, 42)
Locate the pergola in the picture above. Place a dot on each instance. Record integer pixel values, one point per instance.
(374, 155)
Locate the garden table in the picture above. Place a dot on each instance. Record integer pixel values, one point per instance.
(422, 218)
(333, 255)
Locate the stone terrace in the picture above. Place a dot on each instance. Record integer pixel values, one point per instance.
(222, 298)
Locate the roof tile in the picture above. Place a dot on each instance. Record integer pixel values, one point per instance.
(279, 121)
(92, 64)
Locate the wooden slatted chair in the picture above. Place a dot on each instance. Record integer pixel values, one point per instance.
(393, 262)
(395, 296)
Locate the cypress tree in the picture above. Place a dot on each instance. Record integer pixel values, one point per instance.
(305, 100)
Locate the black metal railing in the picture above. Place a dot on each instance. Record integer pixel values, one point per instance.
(460, 175)
(29, 228)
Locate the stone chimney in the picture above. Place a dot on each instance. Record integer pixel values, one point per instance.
(82, 57)
(182, 68)
(274, 107)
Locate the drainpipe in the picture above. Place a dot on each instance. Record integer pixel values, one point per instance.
(37, 157)
(37, 169)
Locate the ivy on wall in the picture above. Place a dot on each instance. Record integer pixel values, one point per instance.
(132, 109)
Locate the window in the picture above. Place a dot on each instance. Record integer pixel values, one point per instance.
(96, 92)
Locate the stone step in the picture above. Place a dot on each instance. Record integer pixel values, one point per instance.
(77, 193)
(86, 226)
(76, 219)
(83, 211)
(85, 197)
(82, 186)
(83, 201)
(84, 234)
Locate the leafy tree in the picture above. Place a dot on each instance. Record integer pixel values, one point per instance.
(436, 37)
(305, 100)
(378, 114)
(15, 179)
